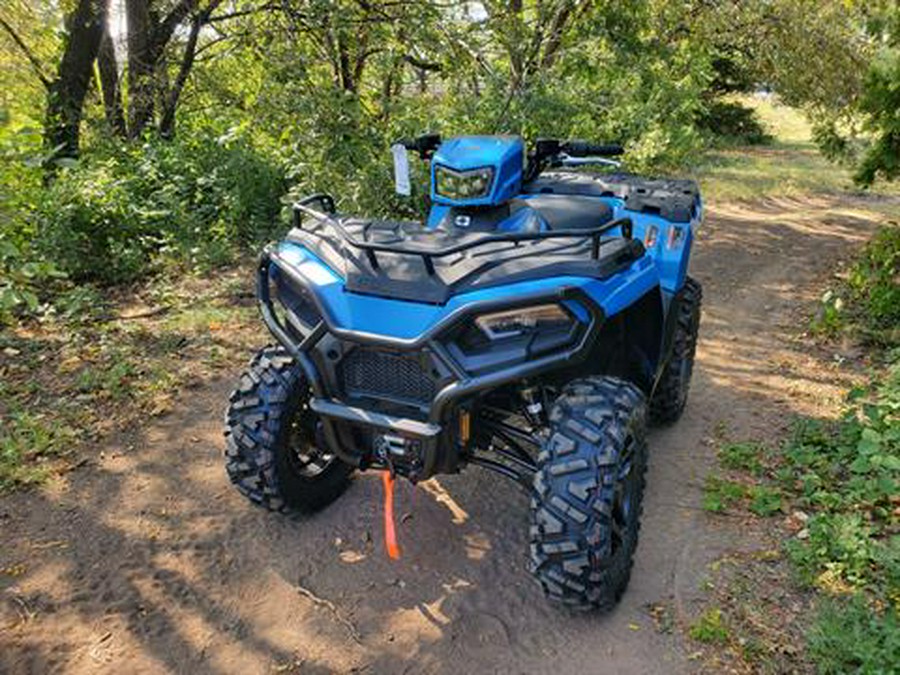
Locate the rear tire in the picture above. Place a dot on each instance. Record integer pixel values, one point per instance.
(586, 503)
(273, 444)
(671, 393)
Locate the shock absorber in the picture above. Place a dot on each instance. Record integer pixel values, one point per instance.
(535, 413)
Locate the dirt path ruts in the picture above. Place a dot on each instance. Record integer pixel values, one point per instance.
(148, 561)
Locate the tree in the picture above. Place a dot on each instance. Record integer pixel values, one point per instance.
(66, 91)
(879, 104)
(65, 99)
(109, 83)
(149, 34)
(532, 33)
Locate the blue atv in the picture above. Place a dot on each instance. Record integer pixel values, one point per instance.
(533, 326)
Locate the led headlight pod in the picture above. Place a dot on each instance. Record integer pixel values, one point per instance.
(462, 185)
(515, 322)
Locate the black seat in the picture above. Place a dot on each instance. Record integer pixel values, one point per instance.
(569, 212)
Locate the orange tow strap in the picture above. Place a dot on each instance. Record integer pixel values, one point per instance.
(390, 534)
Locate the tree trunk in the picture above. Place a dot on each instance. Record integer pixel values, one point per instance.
(84, 28)
(141, 66)
(167, 123)
(109, 83)
(347, 82)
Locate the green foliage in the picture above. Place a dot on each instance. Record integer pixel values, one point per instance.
(21, 281)
(875, 280)
(26, 440)
(710, 627)
(848, 475)
(720, 494)
(734, 122)
(765, 501)
(868, 303)
(879, 103)
(121, 210)
(113, 380)
(849, 637)
(845, 477)
(745, 456)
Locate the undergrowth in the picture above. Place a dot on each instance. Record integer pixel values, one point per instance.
(838, 483)
(866, 304)
(97, 362)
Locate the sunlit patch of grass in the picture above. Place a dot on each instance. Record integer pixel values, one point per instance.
(776, 170)
(199, 319)
(787, 125)
(789, 166)
(27, 441)
(710, 627)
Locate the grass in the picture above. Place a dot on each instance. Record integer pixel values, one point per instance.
(743, 456)
(848, 637)
(720, 494)
(28, 442)
(710, 627)
(789, 166)
(843, 477)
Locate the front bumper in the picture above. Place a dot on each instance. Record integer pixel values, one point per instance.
(430, 428)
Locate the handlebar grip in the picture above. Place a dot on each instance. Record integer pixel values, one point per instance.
(588, 149)
(424, 145)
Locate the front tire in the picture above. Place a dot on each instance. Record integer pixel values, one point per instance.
(586, 503)
(273, 445)
(671, 393)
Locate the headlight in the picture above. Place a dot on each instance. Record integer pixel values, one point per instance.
(462, 185)
(515, 322)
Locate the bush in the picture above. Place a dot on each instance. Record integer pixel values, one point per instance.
(121, 209)
(21, 280)
(869, 302)
(733, 121)
(875, 280)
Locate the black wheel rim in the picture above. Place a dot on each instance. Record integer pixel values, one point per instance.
(305, 456)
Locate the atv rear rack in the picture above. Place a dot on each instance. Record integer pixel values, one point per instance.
(429, 253)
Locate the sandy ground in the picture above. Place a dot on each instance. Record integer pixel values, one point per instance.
(146, 560)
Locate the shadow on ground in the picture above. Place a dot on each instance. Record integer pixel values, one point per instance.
(148, 561)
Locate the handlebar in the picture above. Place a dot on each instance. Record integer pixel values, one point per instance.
(424, 145)
(588, 149)
(548, 152)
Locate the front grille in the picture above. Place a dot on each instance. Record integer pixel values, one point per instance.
(397, 376)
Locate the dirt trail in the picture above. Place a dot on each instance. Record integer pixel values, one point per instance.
(148, 561)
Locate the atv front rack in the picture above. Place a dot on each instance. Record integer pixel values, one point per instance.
(428, 254)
